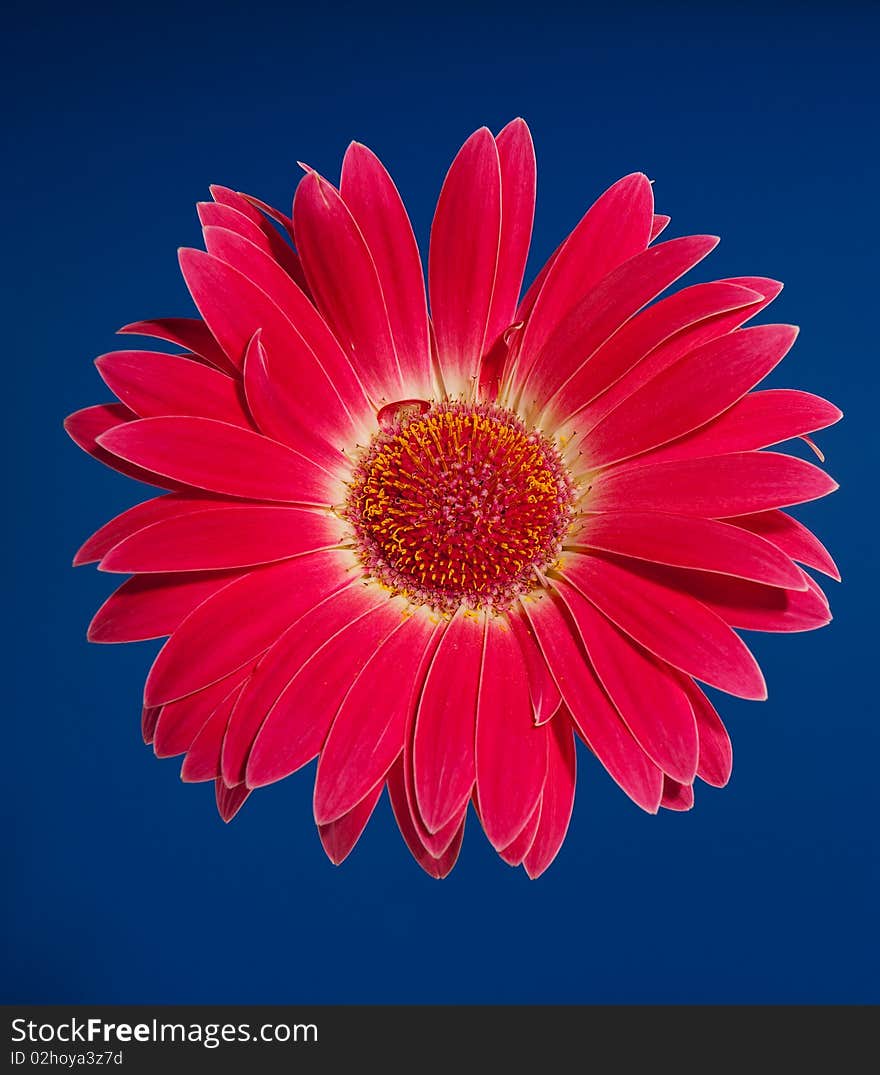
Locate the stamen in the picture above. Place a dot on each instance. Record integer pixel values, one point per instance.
(459, 504)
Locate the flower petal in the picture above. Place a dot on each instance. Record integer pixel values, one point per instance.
(136, 518)
(688, 541)
(646, 694)
(437, 867)
(672, 625)
(791, 536)
(220, 458)
(651, 342)
(85, 427)
(235, 308)
(615, 228)
(222, 634)
(756, 421)
(338, 837)
(690, 393)
(154, 384)
(149, 719)
(748, 605)
(220, 537)
(716, 753)
(542, 687)
(659, 225)
(511, 752)
(740, 483)
(677, 796)
(463, 259)
(368, 731)
(202, 761)
(516, 156)
(297, 724)
(278, 665)
(153, 606)
(190, 333)
(376, 206)
(597, 721)
(703, 324)
(181, 721)
(602, 311)
(557, 798)
(343, 279)
(517, 849)
(443, 746)
(235, 213)
(229, 800)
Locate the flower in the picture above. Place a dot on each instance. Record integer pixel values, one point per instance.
(434, 551)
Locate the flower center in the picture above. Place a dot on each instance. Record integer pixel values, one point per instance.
(459, 504)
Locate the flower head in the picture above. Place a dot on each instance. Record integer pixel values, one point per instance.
(433, 551)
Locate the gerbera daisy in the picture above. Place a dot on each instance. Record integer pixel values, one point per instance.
(434, 546)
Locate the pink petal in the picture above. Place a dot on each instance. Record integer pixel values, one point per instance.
(149, 719)
(237, 214)
(659, 225)
(187, 332)
(511, 752)
(235, 308)
(153, 384)
(276, 669)
(153, 606)
(221, 458)
(690, 393)
(339, 837)
(716, 753)
(748, 605)
(368, 731)
(596, 719)
(614, 229)
(435, 843)
(603, 310)
(756, 421)
(671, 625)
(645, 693)
(688, 541)
(136, 518)
(737, 484)
(443, 743)
(275, 386)
(516, 156)
(434, 867)
(220, 537)
(527, 303)
(297, 724)
(181, 721)
(343, 279)
(463, 259)
(85, 427)
(223, 634)
(652, 341)
(542, 687)
(557, 799)
(229, 800)
(791, 536)
(710, 311)
(517, 849)
(376, 206)
(677, 796)
(202, 761)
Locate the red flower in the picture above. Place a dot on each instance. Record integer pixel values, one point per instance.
(431, 552)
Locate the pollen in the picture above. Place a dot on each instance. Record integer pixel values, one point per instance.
(459, 504)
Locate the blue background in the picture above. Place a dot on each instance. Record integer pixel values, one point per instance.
(123, 885)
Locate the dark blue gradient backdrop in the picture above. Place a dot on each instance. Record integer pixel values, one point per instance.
(123, 885)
